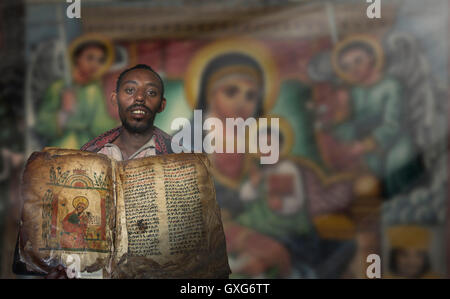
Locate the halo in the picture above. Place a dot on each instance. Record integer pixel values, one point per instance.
(80, 199)
(110, 55)
(285, 129)
(369, 40)
(247, 46)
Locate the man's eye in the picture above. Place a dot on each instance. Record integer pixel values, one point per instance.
(129, 90)
(152, 93)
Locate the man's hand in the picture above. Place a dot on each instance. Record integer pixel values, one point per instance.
(57, 273)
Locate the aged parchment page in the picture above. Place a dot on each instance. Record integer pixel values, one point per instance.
(168, 220)
(68, 210)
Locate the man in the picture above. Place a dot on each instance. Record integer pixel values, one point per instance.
(139, 96)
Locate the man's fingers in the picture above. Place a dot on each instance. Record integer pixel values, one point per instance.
(52, 275)
(58, 272)
(63, 275)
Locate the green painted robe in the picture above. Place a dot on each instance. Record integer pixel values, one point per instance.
(379, 112)
(88, 121)
(260, 217)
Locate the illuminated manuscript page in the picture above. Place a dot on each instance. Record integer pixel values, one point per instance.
(168, 220)
(68, 210)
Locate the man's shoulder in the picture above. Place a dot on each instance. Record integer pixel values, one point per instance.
(98, 142)
(163, 142)
(161, 133)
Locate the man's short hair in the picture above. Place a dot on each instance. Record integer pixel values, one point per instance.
(139, 67)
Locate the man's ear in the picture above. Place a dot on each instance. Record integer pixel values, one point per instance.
(113, 99)
(162, 106)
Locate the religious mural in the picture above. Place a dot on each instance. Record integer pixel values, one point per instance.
(362, 112)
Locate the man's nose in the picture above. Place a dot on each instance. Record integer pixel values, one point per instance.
(139, 96)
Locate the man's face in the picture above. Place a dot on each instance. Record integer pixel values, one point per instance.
(139, 98)
(357, 64)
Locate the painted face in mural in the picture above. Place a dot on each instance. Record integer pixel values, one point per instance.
(410, 262)
(80, 208)
(232, 86)
(139, 98)
(234, 96)
(357, 62)
(89, 60)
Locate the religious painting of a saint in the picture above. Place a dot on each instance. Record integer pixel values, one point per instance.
(75, 224)
(76, 211)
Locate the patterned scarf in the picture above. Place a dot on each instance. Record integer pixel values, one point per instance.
(162, 141)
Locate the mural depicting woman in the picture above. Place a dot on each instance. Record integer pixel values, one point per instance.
(237, 80)
(231, 88)
(69, 116)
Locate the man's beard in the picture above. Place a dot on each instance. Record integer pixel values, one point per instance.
(145, 126)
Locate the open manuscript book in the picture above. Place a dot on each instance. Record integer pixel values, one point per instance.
(154, 217)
